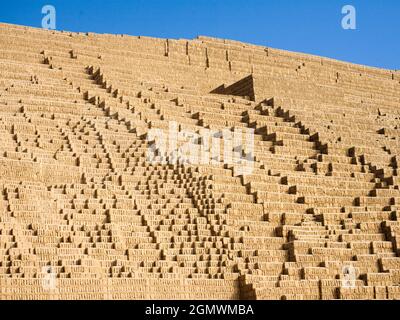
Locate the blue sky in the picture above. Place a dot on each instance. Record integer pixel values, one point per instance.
(311, 26)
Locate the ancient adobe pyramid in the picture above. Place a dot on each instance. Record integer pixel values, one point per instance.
(84, 214)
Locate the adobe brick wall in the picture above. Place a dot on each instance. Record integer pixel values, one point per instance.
(84, 214)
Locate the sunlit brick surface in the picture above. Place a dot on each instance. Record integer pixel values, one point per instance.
(85, 215)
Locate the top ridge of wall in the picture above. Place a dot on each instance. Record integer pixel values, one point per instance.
(219, 41)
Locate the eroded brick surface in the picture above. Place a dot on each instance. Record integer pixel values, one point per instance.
(84, 214)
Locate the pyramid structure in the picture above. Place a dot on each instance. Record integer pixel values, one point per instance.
(86, 214)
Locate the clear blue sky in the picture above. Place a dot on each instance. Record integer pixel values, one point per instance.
(311, 26)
